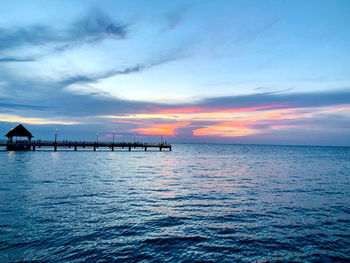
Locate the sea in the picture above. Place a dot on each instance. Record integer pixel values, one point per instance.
(197, 203)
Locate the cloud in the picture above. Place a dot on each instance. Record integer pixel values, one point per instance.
(228, 129)
(55, 98)
(93, 27)
(212, 108)
(161, 129)
(36, 121)
(70, 96)
(10, 106)
(39, 89)
(10, 59)
(220, 117)
(96, 25)
(229, 117)
(93, 78)
(62, 100)
(285, 99)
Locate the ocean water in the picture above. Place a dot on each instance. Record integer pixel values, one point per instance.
(198, 203)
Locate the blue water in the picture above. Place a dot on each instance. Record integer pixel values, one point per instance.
(198, 203)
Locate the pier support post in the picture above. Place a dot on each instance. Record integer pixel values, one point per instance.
(55, 148)
(33, 147)
(160, 148)
(112, 148)
(146, 149)
(129, 148)
(94, 148)
(170, 148)
(75, 148)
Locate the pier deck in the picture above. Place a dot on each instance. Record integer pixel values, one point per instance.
(75, 145)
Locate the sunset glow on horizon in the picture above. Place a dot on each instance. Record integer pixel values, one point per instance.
(223, 123)
(161, 129)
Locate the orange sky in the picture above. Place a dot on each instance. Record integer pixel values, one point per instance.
(222, 123)
(161, 129)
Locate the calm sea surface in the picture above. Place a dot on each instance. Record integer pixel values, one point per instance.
(198, 203)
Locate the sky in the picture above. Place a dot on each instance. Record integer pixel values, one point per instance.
(240, 71)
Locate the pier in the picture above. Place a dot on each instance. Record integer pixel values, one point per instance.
(74, 145)
(28, 144)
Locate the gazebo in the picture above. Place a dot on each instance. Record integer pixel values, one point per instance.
(20, 131)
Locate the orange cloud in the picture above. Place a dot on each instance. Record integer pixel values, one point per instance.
(122, 121)
(211, 114)
(281, 114)
(228, 129)
(161, 129)
(231, 122)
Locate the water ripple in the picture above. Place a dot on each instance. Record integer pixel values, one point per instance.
(199, 203)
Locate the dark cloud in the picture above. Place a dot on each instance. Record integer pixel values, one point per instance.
(92, 27)
(67, 104)
(45, 92)
(9, 106)
(10, 59)
(93, 78)
(321, 129)
(34, 35)
(277, 100)
(56, 100)
(286, 100)
(95, 26)
(77, 79)
(316, 122)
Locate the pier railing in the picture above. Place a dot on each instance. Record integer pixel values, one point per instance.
(33, 145)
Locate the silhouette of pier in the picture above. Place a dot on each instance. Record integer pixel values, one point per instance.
(28, 144)
(75, 145)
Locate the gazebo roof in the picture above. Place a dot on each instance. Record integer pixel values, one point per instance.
(19, 131)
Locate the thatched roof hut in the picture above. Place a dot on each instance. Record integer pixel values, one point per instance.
(19, 131)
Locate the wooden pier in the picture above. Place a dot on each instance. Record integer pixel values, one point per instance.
(33, 145)
(28, 144)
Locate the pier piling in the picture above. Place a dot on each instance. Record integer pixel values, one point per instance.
(92, 145)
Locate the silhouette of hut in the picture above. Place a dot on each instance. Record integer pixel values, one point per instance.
(19, 131)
